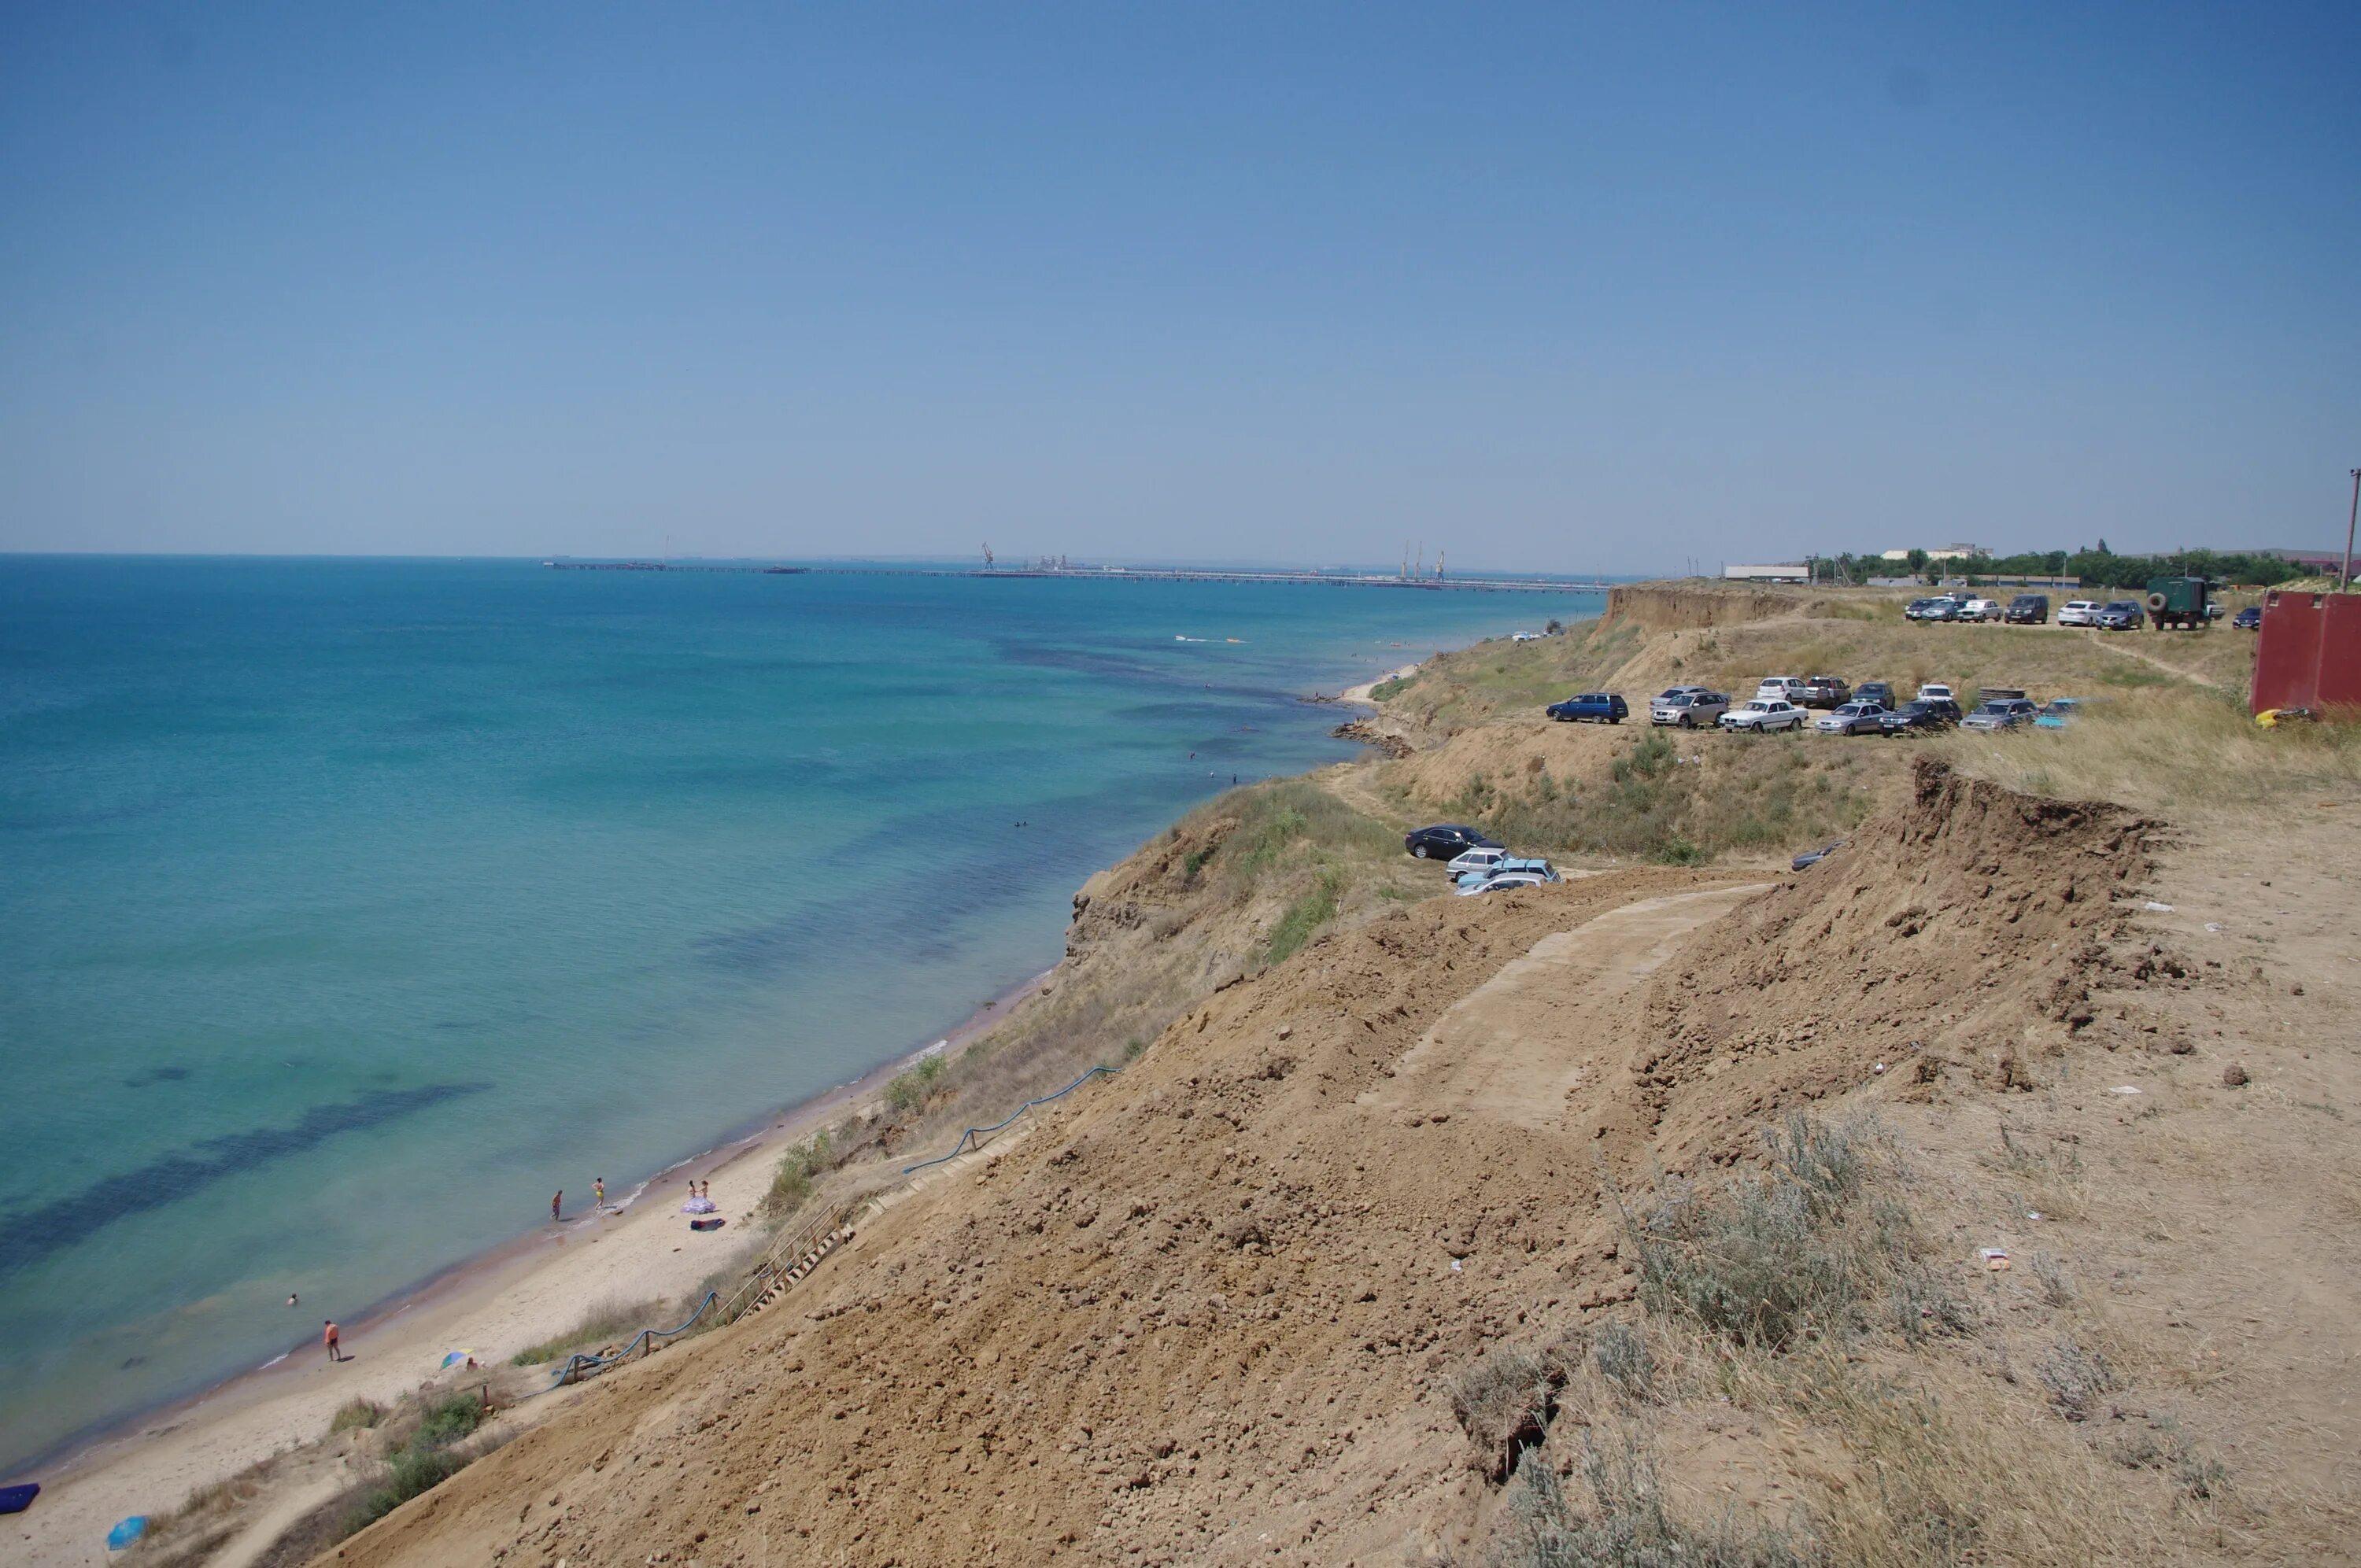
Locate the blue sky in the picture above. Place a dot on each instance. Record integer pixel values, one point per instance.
(1553, 287)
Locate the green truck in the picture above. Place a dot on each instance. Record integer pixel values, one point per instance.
(2178, 602)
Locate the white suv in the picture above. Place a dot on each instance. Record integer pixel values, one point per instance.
(2080, 612)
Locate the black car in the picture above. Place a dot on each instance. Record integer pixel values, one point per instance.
(1444, 840)
(1877, 691)
(2027, 610)
(2249, 618)
(1913, 716)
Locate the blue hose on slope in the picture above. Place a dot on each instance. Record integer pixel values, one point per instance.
(961, 1148)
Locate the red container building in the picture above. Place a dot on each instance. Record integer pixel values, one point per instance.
(2309, 652)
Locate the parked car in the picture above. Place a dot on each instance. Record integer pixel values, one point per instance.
(1688, 708)
(2058, 712)
(1981, 610)
(1852, 719)
(2121, 615)
(1920, 716)
(1446, 840)
(1940, 608)
(2001, 713)
(1877, 691)
(2249, 618)
(1591, 707)
(1679, 691)
(2027, 610)
(1780, 688)
(1509, 865)
(1935, 691)
(1814, 857)
(1505, 881)
(2079, 612)
(1826, 691)
(1761, 714)
(1481, 861)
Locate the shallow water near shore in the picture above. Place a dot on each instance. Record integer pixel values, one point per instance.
(353, 907)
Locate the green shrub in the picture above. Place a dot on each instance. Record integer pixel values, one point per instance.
(447, 1420)
(411, 1471)
(1681, 852)
(356, 1414)
(1303, 917)
(907, 1092)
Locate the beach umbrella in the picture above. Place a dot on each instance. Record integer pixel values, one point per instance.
(125, 1531)
(458, 1356)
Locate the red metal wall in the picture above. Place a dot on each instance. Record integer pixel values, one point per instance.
(2310, 652)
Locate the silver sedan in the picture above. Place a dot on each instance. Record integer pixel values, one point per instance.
(1852, 719)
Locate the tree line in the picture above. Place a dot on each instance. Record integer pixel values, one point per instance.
(2098, 567)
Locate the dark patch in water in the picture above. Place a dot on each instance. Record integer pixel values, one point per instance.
(28, 1237)
(172, 1074)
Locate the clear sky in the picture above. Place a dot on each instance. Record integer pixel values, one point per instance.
(1557, 287)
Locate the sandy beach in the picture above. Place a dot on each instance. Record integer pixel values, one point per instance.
(1359, 694)
(538, 1285)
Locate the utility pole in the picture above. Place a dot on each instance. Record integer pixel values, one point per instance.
(2344, 579)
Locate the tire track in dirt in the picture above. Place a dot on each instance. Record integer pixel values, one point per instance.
(1515, 1047)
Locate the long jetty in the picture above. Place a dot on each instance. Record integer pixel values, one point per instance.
(1119, 575)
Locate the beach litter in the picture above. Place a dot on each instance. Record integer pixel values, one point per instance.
(2155, 908)
(125, 1531)
(2124, 1089)
(1995, 1259)
(2213, 926)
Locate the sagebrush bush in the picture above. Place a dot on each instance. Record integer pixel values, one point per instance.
(1624, 1524)
(1622, 1357)
(1793, 1247)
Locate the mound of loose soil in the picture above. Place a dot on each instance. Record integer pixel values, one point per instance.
(1958, 934)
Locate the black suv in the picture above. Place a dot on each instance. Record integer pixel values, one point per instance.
(1878, 692)
(1444, 840)
(2027, 610)
(1920, 716)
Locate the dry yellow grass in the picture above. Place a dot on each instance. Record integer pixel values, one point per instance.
(2182, 752)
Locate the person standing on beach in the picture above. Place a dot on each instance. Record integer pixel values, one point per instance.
(599, 1193)
(328, 1338)
(555, 1204)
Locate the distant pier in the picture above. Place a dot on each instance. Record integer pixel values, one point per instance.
(1121, 575)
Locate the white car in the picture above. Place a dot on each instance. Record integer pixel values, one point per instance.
(1780, 688)
(1481, 860)
(1763, 713)
(1935, 691)
(1981, 610)
(2080, 612)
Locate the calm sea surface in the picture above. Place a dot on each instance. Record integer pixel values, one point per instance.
(350, 908)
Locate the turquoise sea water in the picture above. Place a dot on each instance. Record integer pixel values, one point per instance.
(350, 908)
